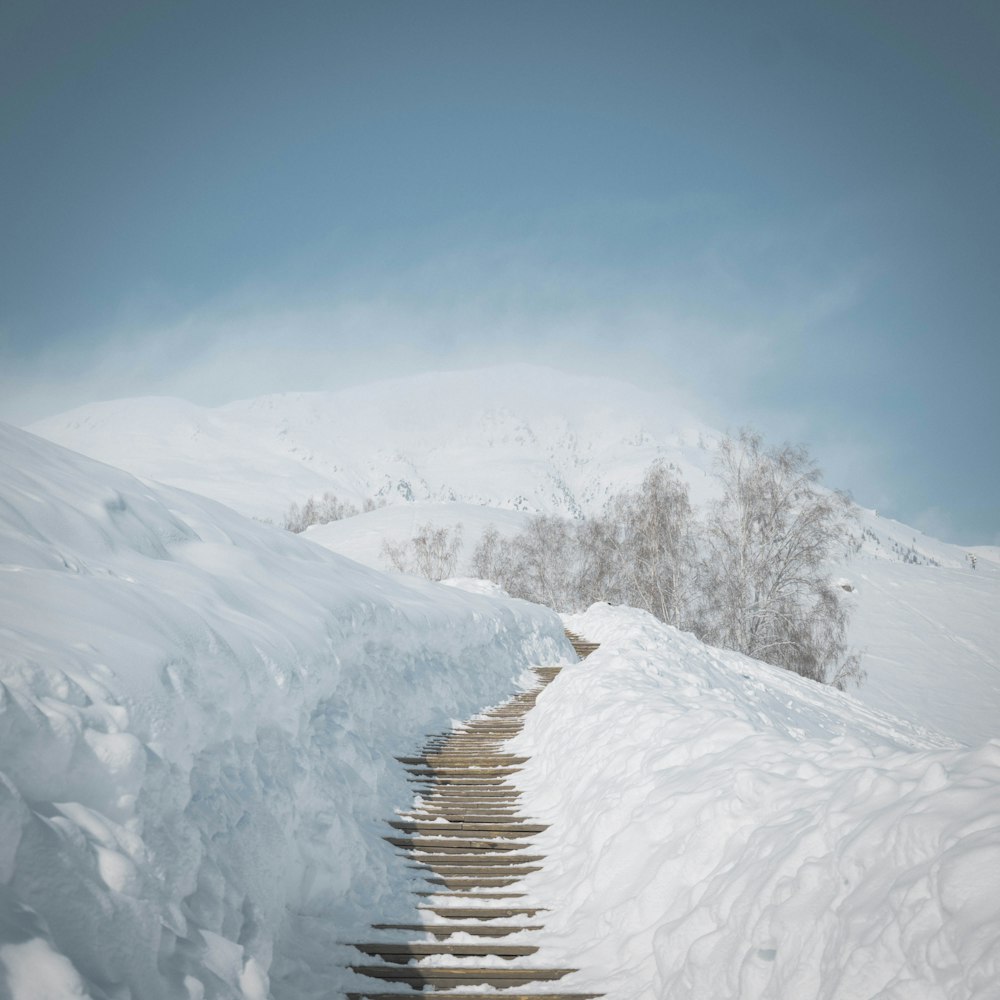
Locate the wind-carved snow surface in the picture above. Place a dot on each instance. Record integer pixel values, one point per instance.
(197, 720)
(926, 623)
(721, 828)
(495, 446)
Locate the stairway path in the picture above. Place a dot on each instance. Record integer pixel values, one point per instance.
(468, 838)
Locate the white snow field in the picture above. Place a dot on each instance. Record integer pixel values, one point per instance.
(495, 446)
(722, 828)
(199, 712)
(198, 715)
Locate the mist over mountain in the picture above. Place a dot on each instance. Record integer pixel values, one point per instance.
(517, 437)
(497, 445)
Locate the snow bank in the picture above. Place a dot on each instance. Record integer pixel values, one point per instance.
(197, 720)
(722, 828)
(926, 628)
(515, 437)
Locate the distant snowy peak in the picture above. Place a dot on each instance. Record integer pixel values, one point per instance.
(517, 437)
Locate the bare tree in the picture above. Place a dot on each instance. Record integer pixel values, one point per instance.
(432, 552)
(750, 577)
(764, 589)
(544, 563)
(543, 558)
(598, 569)
(328, 508)
(650, 534)
(491, 558)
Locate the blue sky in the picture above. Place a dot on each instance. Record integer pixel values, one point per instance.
(788, 213)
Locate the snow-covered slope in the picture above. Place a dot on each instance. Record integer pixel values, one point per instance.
(198, 715)
(926, 623)
(721, 828)
(361, 537)
(928, 626)
(197, 720)
(516, 437)
(495, 445)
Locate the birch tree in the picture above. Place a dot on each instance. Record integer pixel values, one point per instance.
(431, 552)
(764, 586)
(649, 535)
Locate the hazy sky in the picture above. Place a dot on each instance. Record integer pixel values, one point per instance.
(787, 212)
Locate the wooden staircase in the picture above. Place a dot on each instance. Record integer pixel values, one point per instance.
(582, 646)
(468, 839)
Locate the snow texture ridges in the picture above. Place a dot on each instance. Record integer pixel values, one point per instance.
(197, 720)
(721, 828)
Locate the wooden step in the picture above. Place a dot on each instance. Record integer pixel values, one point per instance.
(467, 790)
(448, 845)
(486, 812)
(493, 727)
(470, 745)
(448, 807)
(474, 867)
(479, 929)
(465, 827)
(458, 898)
(406, 951)
(467, 840)
(481, 772)
(457, 805)
(481, 913)
(464, 784)
(484, 775)
(467, 798)
(484, 860)
(431, 798)
(435, 759)
(459, 882)
(502, 809)
(451, 995)
(443, 975)
(436, 778)
(581, 646)
(498, 809)
(492, 742)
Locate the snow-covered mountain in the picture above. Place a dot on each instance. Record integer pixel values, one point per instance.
(518, 437)
(493, 446)
(198, 715)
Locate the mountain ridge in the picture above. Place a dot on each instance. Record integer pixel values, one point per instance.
(517, 437)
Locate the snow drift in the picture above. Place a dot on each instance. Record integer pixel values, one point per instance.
(721, 828)
(197, 720)
(534, 440)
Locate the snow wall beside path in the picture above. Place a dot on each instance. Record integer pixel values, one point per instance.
(722, 828)
(198, 715)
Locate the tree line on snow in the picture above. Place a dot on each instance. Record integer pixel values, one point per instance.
(748, 574)
(324, 510)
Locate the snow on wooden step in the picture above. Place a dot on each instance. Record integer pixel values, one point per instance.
(466, 836)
